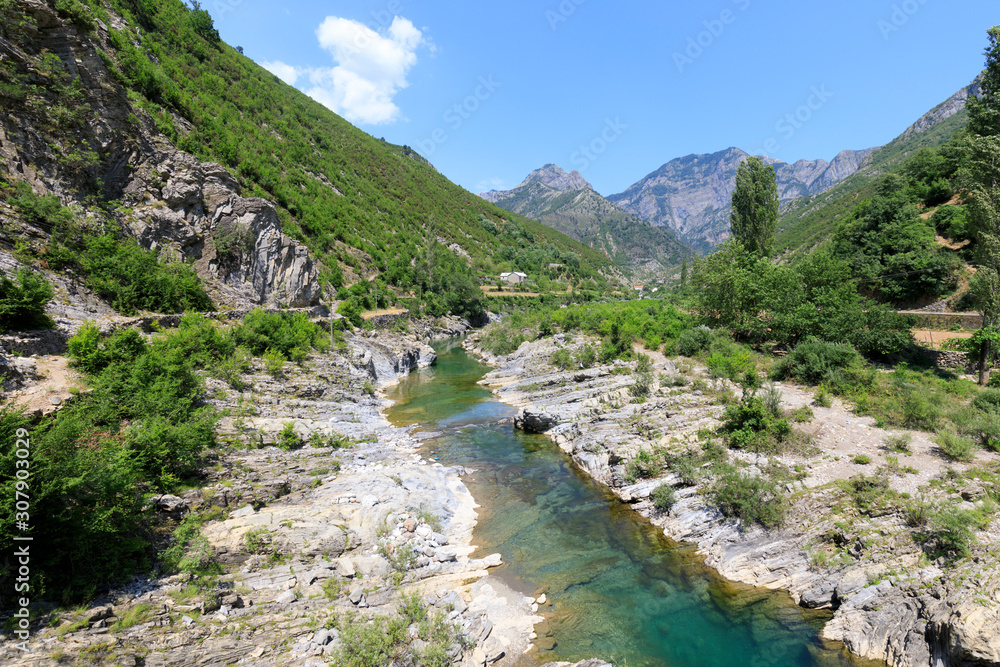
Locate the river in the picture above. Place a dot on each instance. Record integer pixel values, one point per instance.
(616, 588)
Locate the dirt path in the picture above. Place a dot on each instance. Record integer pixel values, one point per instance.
(58, 382)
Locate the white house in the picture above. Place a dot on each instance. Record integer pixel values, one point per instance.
(515, 278)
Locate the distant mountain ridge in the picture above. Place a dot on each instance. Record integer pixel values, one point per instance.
(692, 195)
(807, 222)
(568, 203)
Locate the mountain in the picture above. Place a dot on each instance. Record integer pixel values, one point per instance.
(692, 195)
(568, 203)
(135, 116)
(807, 222)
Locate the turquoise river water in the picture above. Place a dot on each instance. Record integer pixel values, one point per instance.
(617, 588)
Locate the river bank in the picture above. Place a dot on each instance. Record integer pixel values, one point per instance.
(320, 515)
(890, 602)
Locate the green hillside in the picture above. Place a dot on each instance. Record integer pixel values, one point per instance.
(807, 222)
(364, 207)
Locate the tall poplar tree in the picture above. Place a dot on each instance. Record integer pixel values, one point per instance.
(983, 201)
(754, 217)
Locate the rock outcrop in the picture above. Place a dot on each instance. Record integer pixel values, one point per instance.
(107, 147)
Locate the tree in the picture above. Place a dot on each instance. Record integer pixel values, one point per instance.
(755, 206)
(983, 198)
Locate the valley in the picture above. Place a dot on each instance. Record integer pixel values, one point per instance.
(293, 397)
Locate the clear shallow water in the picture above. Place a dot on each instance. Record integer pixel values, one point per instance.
(617, 588)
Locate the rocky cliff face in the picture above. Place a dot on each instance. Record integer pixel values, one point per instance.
(692, 195)
(953, 105)
(73, 131)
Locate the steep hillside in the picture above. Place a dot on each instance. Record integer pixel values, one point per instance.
(568, 203)
(692, 195)
(141, 118)
(809, 221)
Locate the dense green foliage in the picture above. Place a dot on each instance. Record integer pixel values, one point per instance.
(139, 431)
(761, 302)
(129, 277)
(754, 214)
(23, 300)
(891, 249)
(291, 334)
(620, 324)
(816, 361)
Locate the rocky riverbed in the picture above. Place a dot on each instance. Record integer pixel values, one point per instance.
(323, 532)
(891, 602)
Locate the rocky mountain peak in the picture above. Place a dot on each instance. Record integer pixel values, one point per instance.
(556, 177)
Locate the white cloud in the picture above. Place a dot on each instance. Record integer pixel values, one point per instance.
(286, 73)
(371, 67)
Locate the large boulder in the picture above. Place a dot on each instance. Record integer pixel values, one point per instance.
(534, 422)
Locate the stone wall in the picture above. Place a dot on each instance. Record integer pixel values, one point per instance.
(942, 321)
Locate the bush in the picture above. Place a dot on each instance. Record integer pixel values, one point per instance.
(749, 498)
(84, 347)
(872, 495)
(292, 335)
(955, 447)
(751, 425)
(22, 303)
(694, 341)
(642, 466)
(288, 439)
(131, 278)
(951, 221)
(663, 497)
(816, 361)
(953, 529)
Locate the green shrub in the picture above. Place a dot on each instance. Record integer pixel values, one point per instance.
(729, 360)
(84, 347)
(293, 335)
(663, 497)
(899, 443)
(951, 221)
(22, 303)
(561, 359)
(822, 398)
(751, 425)
(131, 278)
(954, 446)
(815, 361)
(693, 341)
(76, 12)
(642, 466)
(274, 362)
(872, 495)
(749, 498)
(952, 529)
(372, 643)
(861, 459)
(288, 439)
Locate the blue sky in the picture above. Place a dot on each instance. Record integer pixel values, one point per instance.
(489, 91)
